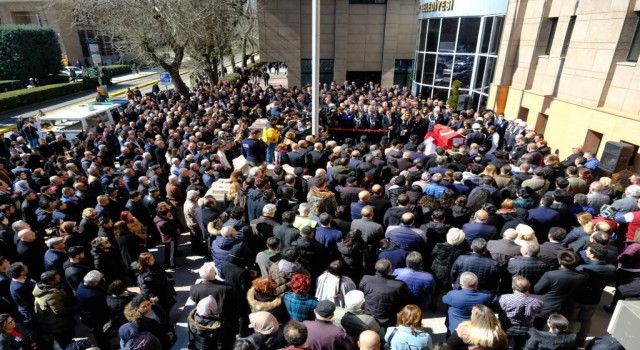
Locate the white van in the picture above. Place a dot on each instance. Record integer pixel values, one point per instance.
(75, 119)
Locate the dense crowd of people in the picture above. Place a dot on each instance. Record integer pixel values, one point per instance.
(318, 243)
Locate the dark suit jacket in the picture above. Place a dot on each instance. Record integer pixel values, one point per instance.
(296, 159)
(558, 289)
(473, 230)
(503, 249)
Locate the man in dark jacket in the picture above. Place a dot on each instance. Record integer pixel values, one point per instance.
(30, 251)
(600, 274)
(21, 290)
(235, 272)
(558, 289)
(92, 303)
(254, 150)
(384, 295)
(313, 255)
(286, 233)
(485, 268)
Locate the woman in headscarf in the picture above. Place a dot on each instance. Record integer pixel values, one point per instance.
(267, 333)
(21, 186)
(206, 328)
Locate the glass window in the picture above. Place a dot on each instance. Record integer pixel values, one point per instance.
(444, 68)
(468, 36)
(429, 66)
(419, 64)
(440, 94)
(432, 37)
(497, 35)
(462, 70)
(479, 73)
(567, 38)
(448, 35)
(425, 92)
(424, 25)
(553, 23)
(491, 66)
(326, 71)
(634, 52)
(403, 71)
(486, 34)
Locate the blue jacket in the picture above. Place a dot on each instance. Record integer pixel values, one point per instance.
(92, 303)
(485, 268)
(434, 189)
(473, 230)
(356, 209)
(53, 260)
(420, 283)
(461, 302)
(406, 238)
(220, 249)
(328, 236)
(22, 295)
(254, 150)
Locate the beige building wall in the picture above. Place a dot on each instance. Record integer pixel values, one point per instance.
(358, 37)
(588, 96)
(32, 12)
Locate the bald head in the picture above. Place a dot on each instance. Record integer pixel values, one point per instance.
(369, 340)
(481, 216)
(376, 189)
(364, 195)
(407, 218)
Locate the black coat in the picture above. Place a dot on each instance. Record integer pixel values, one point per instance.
(158, 283)
(222, 292)
(384, 297)
(313, 255)
(557, 289)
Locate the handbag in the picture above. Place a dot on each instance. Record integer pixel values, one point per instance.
(387, 345)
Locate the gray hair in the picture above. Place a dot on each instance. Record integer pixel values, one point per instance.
(92, 278)
(18, 225)
(304, 208)
(633, 191)
(269, 210)
(469, 280)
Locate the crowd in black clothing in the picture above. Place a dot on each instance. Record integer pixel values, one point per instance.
(333, 239)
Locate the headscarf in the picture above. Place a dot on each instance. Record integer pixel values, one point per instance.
(207, 307)
(22, 186)
(263, 322)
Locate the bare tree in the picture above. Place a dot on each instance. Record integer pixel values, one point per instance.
(248, 29)
(161, 32)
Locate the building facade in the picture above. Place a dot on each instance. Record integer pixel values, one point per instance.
(570, 69)
(360, 40)
(458, 40)
(74, 41)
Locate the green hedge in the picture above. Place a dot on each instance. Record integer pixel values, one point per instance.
(28, 51)
(25, 97)
(10, 85)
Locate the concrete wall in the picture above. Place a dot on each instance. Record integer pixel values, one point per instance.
(591, 88)
(357, 37)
